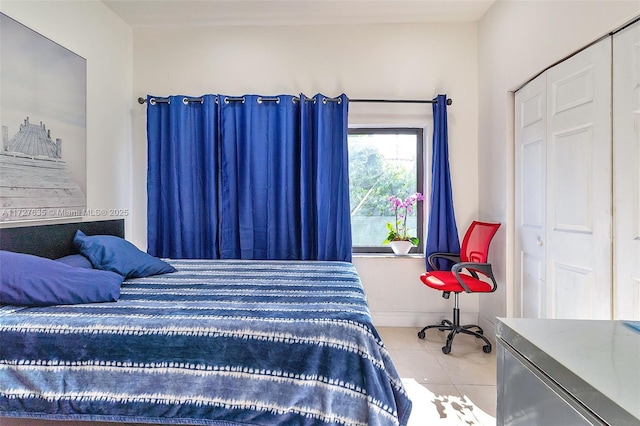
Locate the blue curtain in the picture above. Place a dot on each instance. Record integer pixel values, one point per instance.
(324, 178)
(277, 175)
(442, 232)
(182, 178)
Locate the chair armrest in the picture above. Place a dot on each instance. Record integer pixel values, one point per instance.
(454, 257)
(483, 268)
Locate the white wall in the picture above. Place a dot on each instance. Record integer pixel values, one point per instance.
(92, 31)
(363, 61)
(516, 41)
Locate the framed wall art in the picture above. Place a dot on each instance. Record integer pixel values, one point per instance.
(43, 92)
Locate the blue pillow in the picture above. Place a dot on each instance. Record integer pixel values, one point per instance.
(77, 260)
(28, 280)
(115, 254)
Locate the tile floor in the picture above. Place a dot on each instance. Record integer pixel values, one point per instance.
(454, 389)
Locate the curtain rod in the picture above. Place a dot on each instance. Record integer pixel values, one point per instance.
(401, 101)
(142, 100)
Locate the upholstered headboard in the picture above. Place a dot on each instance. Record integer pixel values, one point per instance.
(56, 240)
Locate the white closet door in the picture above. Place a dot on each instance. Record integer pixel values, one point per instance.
(530, 172)
(626, 172)
(578, 246)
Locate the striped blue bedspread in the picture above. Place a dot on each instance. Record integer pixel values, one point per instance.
(220, 342)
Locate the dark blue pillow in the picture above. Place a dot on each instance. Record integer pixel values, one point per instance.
(115, 254)
(28, 280)
(77, 260)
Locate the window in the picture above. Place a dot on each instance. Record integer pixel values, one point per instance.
(382, 163)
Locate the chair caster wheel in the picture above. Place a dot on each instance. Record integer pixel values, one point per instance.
(447, 349)
(421, 334)
(486, 349)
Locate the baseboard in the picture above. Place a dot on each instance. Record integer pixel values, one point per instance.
(419, 319)
(489, 328)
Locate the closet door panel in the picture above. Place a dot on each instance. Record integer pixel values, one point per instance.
(578, 221)
(530, 152)
(626, 172)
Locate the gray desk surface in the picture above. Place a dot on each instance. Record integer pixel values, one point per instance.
(597, 362)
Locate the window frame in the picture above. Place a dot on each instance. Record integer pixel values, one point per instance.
(418, 132)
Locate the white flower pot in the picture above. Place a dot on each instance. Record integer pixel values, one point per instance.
(401, 247)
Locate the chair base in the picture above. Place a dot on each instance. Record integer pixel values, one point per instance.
(455, 328)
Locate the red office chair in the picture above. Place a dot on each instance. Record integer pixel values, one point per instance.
(470, 264)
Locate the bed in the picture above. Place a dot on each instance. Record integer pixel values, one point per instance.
(219, 342)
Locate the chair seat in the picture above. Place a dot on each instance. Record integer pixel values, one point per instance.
(446, 281)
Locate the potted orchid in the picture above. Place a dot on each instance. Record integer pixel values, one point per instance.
(399, 238)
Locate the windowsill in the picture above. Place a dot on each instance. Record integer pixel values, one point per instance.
(386, 255)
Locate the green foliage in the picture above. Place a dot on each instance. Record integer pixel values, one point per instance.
(394, 235)
(372, 178)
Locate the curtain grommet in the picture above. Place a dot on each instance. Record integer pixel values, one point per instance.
(260, 99)
(228, 99)
(187, 101)
(152, 101)
(337, 100)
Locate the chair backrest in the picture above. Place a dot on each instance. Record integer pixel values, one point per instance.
(475, 244)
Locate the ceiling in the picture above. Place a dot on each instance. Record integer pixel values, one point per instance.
(150, 13)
